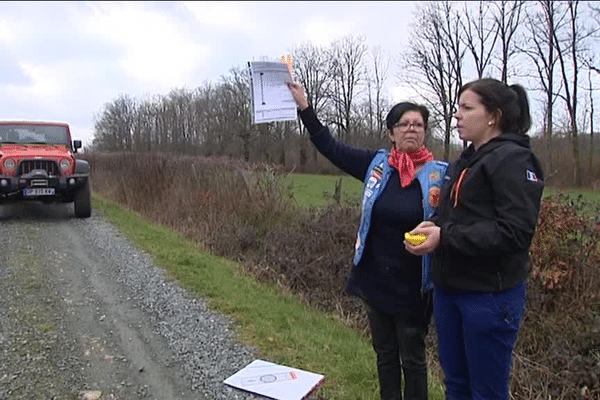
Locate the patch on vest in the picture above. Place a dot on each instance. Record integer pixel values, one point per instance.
(434, 176)
(434, 196)
(377, 172)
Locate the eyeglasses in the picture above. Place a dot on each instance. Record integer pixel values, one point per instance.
(404, 126)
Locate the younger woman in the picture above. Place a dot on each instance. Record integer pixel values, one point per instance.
(481, 237)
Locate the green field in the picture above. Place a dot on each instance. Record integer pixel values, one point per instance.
(317, 190)
(592, 196)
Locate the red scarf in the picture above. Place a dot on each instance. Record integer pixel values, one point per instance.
(405, 163)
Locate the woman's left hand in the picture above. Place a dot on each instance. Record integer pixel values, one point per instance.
(432, 231)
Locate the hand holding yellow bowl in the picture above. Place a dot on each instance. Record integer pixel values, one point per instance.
(415, 239)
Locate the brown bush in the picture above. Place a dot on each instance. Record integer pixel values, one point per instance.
(204, 198)
(558, 351)
(243, 212)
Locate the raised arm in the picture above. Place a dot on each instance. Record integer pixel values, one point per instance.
(299, 95)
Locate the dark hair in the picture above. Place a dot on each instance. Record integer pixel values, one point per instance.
(399, 109)
(511, 101)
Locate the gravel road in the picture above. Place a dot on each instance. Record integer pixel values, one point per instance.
(84, 312)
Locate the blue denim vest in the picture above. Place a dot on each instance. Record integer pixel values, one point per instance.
(430, 177)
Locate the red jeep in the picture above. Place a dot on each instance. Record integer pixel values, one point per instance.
(37, 163)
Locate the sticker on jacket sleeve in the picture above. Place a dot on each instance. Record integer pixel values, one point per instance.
(531, 176)
(434, 196)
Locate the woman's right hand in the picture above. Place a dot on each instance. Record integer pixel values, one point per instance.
(432, 231)
(298, 95)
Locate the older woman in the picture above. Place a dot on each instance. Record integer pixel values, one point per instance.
(401, 190)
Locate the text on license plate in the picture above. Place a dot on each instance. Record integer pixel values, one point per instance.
(38, 192)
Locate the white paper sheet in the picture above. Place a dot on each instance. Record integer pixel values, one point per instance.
(275, 381)
(271, 98)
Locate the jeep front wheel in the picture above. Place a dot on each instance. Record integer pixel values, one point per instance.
(83, 206)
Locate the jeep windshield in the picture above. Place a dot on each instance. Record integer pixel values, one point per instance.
(34, 134)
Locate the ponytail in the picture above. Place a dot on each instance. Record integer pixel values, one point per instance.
(523, 122)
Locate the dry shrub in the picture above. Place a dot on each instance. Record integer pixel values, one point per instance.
(242, 211)
(558, 351)
(207, 199)
(561, 172)
(312, 259)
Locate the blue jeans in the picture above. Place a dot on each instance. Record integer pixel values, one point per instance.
(476, 336)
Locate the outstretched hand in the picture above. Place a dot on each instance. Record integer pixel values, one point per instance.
(432, 231)
(298, 95)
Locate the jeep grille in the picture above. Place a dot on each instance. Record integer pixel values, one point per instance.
(26, 166)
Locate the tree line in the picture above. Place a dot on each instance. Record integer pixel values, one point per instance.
(547, 46)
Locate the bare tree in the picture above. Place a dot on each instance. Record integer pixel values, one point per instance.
(177, 102)
(480, 36)
(236, 92)
(591, 64)
(143, 133)
(591, 148)
(433, 63)
(205, 116)
(113, 128)
(347, 61)
(313, 69)
(540, 49)
(570, 48)
(376, 78)
(508, 19)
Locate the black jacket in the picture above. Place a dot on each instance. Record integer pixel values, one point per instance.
(488, 214)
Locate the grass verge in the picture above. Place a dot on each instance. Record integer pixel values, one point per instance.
(277, 325)
(281, 328)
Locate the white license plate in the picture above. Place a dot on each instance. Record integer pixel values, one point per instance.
(38, 192)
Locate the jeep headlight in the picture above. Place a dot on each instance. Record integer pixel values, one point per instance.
(65, 164)
(9, 164)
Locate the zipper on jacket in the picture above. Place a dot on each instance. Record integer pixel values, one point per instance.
(499, 280)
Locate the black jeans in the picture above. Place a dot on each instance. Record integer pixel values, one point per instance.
(400, 347)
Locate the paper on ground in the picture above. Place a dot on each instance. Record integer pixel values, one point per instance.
(271, 98)
(275, 381)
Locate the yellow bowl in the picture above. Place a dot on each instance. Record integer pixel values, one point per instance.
(416, 239)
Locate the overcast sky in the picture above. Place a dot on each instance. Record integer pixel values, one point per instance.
(62, 61)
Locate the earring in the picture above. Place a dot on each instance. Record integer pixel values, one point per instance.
(490, 123)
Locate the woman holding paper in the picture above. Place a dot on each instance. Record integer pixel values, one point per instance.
(401, 190)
